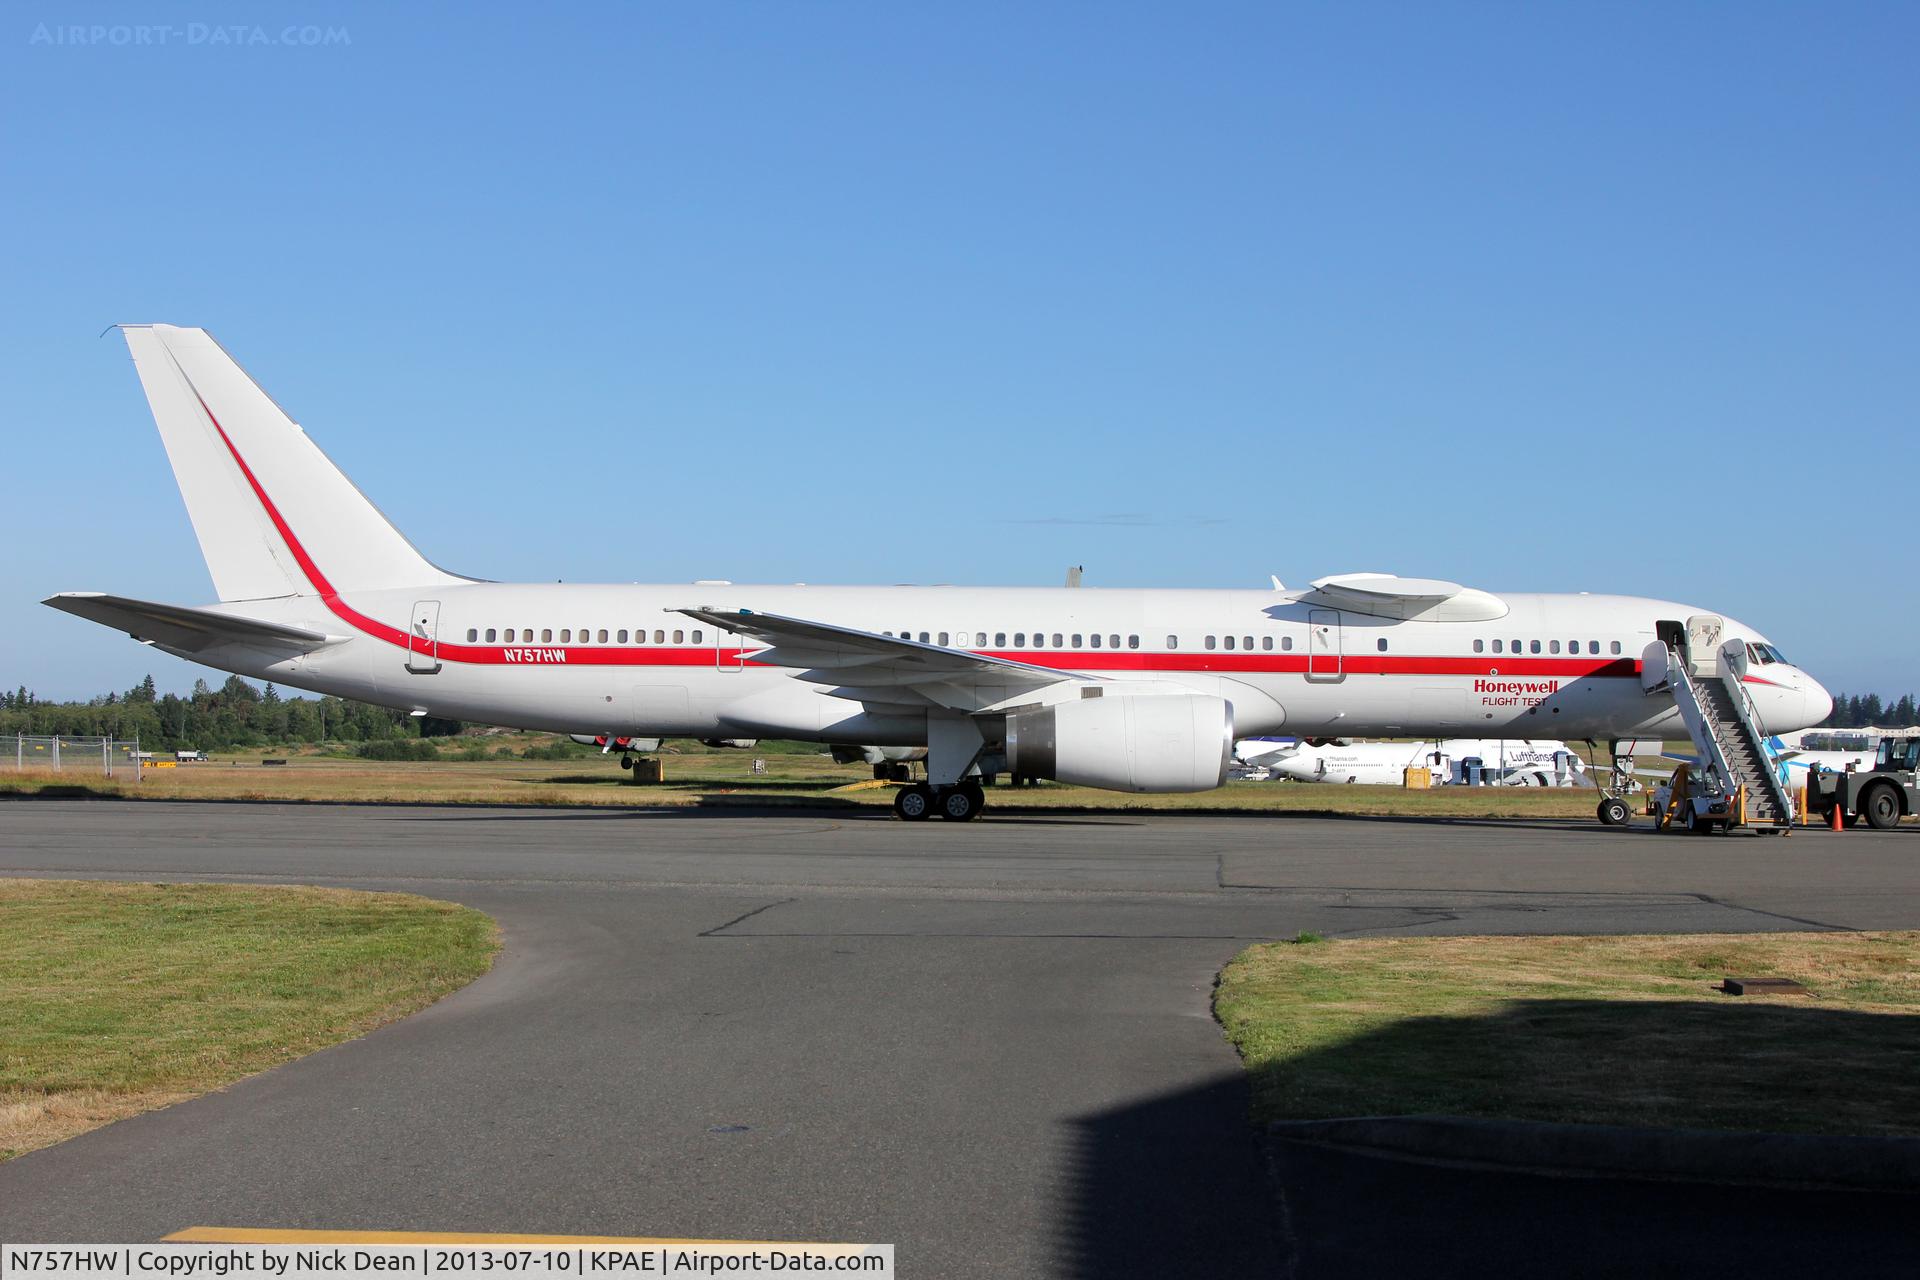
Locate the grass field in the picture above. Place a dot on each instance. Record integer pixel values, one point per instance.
(1620, 1030)
(724, 778)
(118, 998)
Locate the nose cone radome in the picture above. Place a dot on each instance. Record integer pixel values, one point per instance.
(1819, 703)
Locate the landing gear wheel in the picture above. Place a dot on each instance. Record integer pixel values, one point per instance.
(915, 803)
(1881, 808)
(1613, 812)
(960, 804)
(626, 762)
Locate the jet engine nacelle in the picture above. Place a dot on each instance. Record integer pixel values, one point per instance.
(1148, 742)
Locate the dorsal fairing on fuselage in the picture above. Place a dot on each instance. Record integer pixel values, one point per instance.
(1383, 595)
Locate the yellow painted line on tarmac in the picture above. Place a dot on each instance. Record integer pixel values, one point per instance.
(270, 1235)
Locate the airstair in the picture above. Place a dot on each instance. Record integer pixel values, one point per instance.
(1704, 677)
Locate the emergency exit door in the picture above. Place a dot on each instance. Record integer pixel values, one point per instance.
(1323, 646)
(423, 638)
(728, 651)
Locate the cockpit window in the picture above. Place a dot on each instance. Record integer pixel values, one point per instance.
(1764, 653)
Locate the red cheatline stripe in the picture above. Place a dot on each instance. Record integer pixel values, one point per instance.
(533, 655)
(318, 580)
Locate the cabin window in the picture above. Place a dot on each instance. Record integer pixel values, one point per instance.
(1246, 642)
(1078, 640)
(1133, 642)
(1593, 646)
(490, 635)
(1210, 642)
(1536, 646)
(963, 638)
(526, 636)
(546, 635)
(1499, 646)
(1479, 646)
(1173, 642)
(943, 639)
(1096, 639)
(1573, 646)
(1516, 646)
(923, 637)
(1616, 646)
(1381, 644)
(473, 634)
(1019, 639)
(1553, 646)
(999, 639)
(1286, 642)
(696, 635)
(1229, 642)
(1039, 640)
(679, 637)
(1057, 639)
(1266, 642)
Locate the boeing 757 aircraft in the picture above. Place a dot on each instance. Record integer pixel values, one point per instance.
(1129, 690)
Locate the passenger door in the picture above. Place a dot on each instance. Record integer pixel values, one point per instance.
(423, 638)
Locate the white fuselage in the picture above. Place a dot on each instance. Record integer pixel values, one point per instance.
(617, 659)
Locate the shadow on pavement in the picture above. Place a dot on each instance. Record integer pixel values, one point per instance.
(1433, 1196)
(1173, 1185)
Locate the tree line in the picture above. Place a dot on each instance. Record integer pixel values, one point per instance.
(1859, 711)
(237, 714)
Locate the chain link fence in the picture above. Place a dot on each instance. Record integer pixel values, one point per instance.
(110, 757)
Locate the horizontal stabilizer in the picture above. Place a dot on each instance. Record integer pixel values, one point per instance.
(181, 627)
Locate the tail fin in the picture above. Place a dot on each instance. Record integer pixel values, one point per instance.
(273, 514)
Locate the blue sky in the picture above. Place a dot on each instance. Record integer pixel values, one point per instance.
(1614, 298)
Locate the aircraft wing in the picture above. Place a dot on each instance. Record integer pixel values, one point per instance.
(824, 653)
(180, 627)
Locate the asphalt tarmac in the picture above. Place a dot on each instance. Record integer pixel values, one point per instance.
(989, 1044)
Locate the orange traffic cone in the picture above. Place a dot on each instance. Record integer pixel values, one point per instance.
(1834, 820)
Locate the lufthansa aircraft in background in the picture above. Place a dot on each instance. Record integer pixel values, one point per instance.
(1130, 690)
(1515, 763)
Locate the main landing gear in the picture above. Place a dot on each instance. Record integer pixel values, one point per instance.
(920, 801)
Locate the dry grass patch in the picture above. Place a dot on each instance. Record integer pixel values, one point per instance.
(1605, 1030)
(728, 778)
(117, 998)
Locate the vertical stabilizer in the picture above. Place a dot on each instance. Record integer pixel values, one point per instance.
(273, 514)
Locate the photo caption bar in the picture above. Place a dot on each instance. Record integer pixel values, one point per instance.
(654, 1258)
